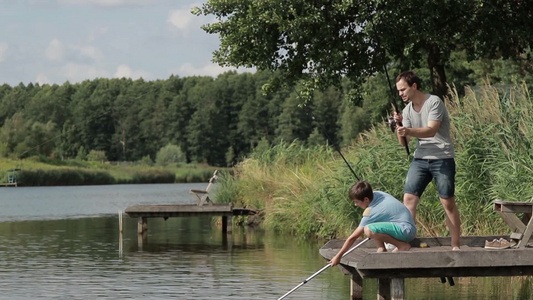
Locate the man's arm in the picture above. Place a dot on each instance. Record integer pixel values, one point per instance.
(423, 132)
(346, 246)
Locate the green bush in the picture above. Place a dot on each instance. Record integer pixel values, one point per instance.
(170, 154)
(97, 156)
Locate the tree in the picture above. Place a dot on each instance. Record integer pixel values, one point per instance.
(323, 41)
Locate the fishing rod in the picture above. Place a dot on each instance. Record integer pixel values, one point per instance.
(321, 270)
(392, 122)
(351, 169)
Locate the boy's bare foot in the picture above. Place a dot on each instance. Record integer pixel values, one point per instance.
(456, 248)
(405, 247)
(382, 249)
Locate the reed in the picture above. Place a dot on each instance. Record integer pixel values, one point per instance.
(303, 190)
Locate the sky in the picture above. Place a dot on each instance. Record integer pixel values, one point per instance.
(54, 41)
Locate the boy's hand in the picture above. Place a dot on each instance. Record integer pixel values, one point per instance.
(335, 260)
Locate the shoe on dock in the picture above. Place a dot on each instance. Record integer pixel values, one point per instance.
(498, 244)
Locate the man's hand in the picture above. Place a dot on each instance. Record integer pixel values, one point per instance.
(398, 117)
(402, 131)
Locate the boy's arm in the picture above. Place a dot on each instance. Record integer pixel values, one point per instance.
(346, 246)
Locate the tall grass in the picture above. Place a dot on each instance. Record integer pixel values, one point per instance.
(304, 190)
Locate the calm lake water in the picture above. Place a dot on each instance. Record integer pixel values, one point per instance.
(64, 243)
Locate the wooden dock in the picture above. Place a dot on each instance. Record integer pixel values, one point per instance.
(224, 210)
(436, 260)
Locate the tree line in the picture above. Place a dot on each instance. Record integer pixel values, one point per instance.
(217, 121)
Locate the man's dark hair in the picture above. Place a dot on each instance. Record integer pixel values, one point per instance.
(360, 190)
(410, 77)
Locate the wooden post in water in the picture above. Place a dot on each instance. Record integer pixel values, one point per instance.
(226, 224)
(398, 289)
(356, 287)
(120, 233)
(384, 289)
(142, 225)
(120, 224)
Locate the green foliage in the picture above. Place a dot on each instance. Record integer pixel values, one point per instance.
(303, 190)
(321, 42)
(97, 155)
(82, 154)
(56, 177)
(154, 176)
(56, 172)
(170, 154)
(146, 160)
(215, 121)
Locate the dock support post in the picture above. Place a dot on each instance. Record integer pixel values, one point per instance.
(142, 225)
(142, 239)
(398, 288)
(384, 288)
(120, 222)
(356, 287)
(230, 224)
(226, 224)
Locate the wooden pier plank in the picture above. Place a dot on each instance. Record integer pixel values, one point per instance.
(437, 260)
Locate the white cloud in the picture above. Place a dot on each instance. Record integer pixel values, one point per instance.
(90, 51)
(79, 72)
(42, 79)
(126, 72)
(55, 50)
(3, 51)
(181, 18)
(107, 3)
(207, 70)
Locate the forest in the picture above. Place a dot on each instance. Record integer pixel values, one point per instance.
(216, 121)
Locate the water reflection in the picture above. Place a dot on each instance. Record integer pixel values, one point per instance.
(58, 255)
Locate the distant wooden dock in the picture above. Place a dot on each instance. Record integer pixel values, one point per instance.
(224, 210)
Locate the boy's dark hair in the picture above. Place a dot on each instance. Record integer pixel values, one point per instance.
(360, 190)
(410, 77)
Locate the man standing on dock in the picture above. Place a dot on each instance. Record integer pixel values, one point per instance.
(385, 220)
(426, 118)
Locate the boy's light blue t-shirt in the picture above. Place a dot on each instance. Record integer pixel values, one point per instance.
(385, 208)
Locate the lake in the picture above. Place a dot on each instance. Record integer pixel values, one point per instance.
(64, 243)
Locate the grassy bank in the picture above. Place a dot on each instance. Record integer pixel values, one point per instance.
(304, 190)
(46, 172)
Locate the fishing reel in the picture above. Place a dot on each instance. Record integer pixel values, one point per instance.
(392, 123)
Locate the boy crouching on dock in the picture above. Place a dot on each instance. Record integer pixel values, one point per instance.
(385, 220)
